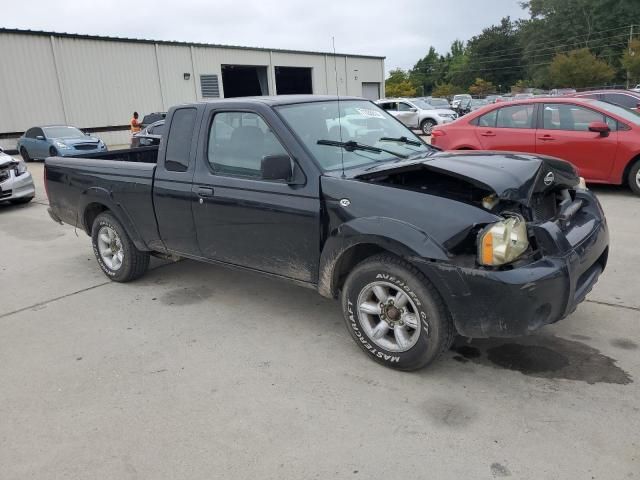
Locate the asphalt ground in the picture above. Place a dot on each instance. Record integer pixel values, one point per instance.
(196, 371)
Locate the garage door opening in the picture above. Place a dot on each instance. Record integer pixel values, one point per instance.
(293, 80)
(371, 90)
(244, 81)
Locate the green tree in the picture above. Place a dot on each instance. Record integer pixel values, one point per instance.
(579, 68)
(481, 88)
(631, 61)
(427, 71)
(398, 84)
(445, 90)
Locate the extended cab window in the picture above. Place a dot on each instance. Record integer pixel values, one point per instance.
(238, 141)
(516, 116)
(179, 140)
(565, 116)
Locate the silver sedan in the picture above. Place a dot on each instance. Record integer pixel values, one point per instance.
(16, 183)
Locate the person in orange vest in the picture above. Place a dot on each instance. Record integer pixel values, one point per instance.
(135, 124)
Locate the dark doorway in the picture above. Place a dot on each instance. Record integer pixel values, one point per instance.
(244, 81)
(292, 80)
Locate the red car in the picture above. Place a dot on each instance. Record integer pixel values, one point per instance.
(600, 139)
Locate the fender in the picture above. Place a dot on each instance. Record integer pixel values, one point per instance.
(397, 237)
(102, 196)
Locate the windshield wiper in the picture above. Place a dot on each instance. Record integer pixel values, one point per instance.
(401, 140)
(350, 146)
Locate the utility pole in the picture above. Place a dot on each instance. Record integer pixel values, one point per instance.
(630, 52)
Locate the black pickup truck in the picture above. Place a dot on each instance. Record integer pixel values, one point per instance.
(337, 195)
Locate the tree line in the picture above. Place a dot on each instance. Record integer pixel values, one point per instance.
(563, 43)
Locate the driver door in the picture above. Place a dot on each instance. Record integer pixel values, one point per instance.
(407, 114)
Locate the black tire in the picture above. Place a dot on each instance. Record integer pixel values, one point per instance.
(427, 126)
(20, 201)
(25, 155)
(53, 152)
(436, 326)
(134, 263)
(633, 179)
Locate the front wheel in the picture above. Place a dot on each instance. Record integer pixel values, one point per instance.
(117, 256)
(427, 126)
(24, 154)
(395, 314)
(634, 178)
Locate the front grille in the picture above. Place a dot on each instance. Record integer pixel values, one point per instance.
(6, 193)
(86, 146)
(545, 206)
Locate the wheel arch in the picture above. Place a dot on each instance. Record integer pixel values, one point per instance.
(362, 238)
(627, 169)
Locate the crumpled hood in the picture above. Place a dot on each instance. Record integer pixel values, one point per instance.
(6, 159)
(511, 175)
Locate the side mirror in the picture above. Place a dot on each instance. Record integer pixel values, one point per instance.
(600, 127)
(413, 109)
(40, 137)
(276, 167)
(87, 134)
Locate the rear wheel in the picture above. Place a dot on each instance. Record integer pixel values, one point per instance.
(427, 126)
(24, 154)
(117, 256)
(395, 314)
(634, 178)
(53, 152)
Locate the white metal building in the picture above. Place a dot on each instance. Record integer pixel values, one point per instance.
(95, 83)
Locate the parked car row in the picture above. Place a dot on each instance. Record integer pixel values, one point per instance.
(416, 113)
(600, 139)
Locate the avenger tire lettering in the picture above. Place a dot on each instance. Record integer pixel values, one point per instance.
(435, 331)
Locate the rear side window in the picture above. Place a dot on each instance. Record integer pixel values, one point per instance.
(516, 116)
(179, 140)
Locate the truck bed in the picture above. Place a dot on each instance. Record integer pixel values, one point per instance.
(122, 179)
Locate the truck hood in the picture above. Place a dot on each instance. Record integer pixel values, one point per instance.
(510, 175)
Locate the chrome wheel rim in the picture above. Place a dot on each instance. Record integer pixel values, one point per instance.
(110, 248)
(427, 128)
(638, 178)
(389, 316)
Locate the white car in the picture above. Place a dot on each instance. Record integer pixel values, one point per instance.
(636, 88)
(455, 103)
(16, 183)
(416, 113)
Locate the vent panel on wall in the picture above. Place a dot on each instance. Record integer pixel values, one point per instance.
(209, 86)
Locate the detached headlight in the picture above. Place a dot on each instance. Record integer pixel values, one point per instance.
(60, 145)
(20, 168)
(503, 242)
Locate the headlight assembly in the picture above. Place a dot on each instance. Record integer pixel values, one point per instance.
(503, 242)
(61, 145)
(20, 168)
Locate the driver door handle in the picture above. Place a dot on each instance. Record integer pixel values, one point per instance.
(204, 191)
(546, 137)
(488, 133)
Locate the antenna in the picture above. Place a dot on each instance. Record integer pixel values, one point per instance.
(335, 70)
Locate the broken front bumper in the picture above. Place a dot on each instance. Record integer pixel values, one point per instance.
(508, 303)
(17, 187)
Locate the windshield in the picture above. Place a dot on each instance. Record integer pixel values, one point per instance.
(358, 121)
(439, 102)
(628, 115)
(62, 132)
(422, 104)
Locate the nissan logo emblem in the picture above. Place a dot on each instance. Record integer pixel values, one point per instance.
(549, 178)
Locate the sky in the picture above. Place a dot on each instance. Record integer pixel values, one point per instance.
(401, 30)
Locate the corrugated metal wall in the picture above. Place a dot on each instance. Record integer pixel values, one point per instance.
(97, 83)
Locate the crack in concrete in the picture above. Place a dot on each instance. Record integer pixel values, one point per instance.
(615, 305)
(51, 300)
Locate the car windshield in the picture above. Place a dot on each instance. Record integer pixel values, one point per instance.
(622, 112)
(439, 102)
(422, 104)
(62, 132)
(350, 121)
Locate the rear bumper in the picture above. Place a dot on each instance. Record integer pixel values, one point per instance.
(509, 303)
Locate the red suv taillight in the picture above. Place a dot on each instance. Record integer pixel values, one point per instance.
(435, 134)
